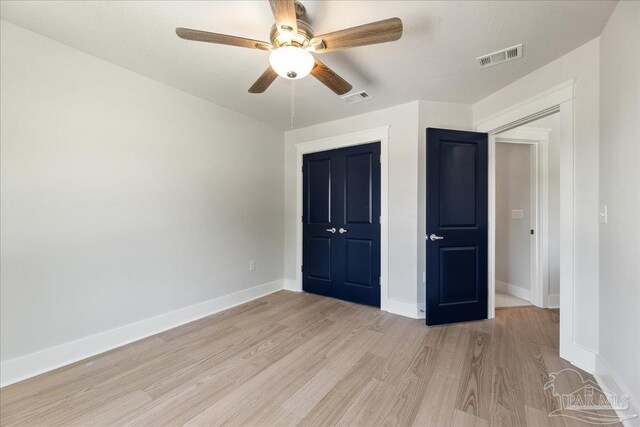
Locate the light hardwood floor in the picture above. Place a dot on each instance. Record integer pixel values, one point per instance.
(294, 358)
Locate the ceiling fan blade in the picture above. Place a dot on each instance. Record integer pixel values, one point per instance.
(264, 81)
(203, 36)
(285, 13)
(384, 31)
(330, 79)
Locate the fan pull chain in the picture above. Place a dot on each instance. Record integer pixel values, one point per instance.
(293, 101)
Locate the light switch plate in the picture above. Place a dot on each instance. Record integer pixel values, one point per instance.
(252, 265)
(604, 215)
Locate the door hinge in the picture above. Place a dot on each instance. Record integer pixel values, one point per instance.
(380, 219)
(379, 280)
(302, 268)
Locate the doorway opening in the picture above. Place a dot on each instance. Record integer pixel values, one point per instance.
(527, 215)
(558, 99)
(516, 200)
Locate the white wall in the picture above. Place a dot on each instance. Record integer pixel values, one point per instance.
(619, 356)
(583, 65)
(513, 238)
(122, 198)
(406, 194)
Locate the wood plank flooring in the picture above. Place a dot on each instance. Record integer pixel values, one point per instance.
(302, 359)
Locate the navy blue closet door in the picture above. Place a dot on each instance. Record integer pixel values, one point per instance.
(341, 223)
(456, 226)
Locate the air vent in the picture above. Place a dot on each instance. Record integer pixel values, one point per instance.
(500, 56)
(354, 98)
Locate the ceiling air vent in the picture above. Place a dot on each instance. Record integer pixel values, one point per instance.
(500, 56)
(354, 98)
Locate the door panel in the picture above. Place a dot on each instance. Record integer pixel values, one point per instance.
(319, 206)
(341, 227)
(358, 254)
(319, 257)
(467, 278)
(457, 216)
(320, 250)
(358, 181)
(457, 176)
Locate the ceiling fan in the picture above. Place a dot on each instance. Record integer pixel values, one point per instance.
(293, 41)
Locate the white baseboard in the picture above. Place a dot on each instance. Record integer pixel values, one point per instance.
(608, 379)
(23, 367)
(514, 290)
(292, 285)
(553, 301)
(403, 308)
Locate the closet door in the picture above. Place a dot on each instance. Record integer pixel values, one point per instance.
(341, 223)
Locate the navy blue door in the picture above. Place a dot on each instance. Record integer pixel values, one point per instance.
(456, 226)
(341, 224)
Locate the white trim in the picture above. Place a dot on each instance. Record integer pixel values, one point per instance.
(553, 301)
(557, 99)
(525, 134)
(538, 139)
(402, 308)
(511, 289)
(582, 358)
(525, 111)
(45, 360)
(536, 279)
(381, 135)
(569, 350)
(608, 379)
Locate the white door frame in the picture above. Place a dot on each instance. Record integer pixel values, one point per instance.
(538, 140)
(558, 99)
(381, 135)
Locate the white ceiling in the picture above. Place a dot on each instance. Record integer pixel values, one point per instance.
(434, 60)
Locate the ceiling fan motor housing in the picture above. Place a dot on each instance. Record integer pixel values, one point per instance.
(280, 37)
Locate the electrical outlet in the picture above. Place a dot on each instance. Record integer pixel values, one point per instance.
(252, 265)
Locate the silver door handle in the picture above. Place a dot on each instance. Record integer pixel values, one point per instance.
(342, 230)
(433, 237)
(331, 230)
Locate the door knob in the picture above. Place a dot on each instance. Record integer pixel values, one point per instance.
(331, 230)
(433, 237)
(342, 230)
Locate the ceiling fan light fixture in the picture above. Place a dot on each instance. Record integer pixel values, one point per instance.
(291, 62)
(292, 42)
